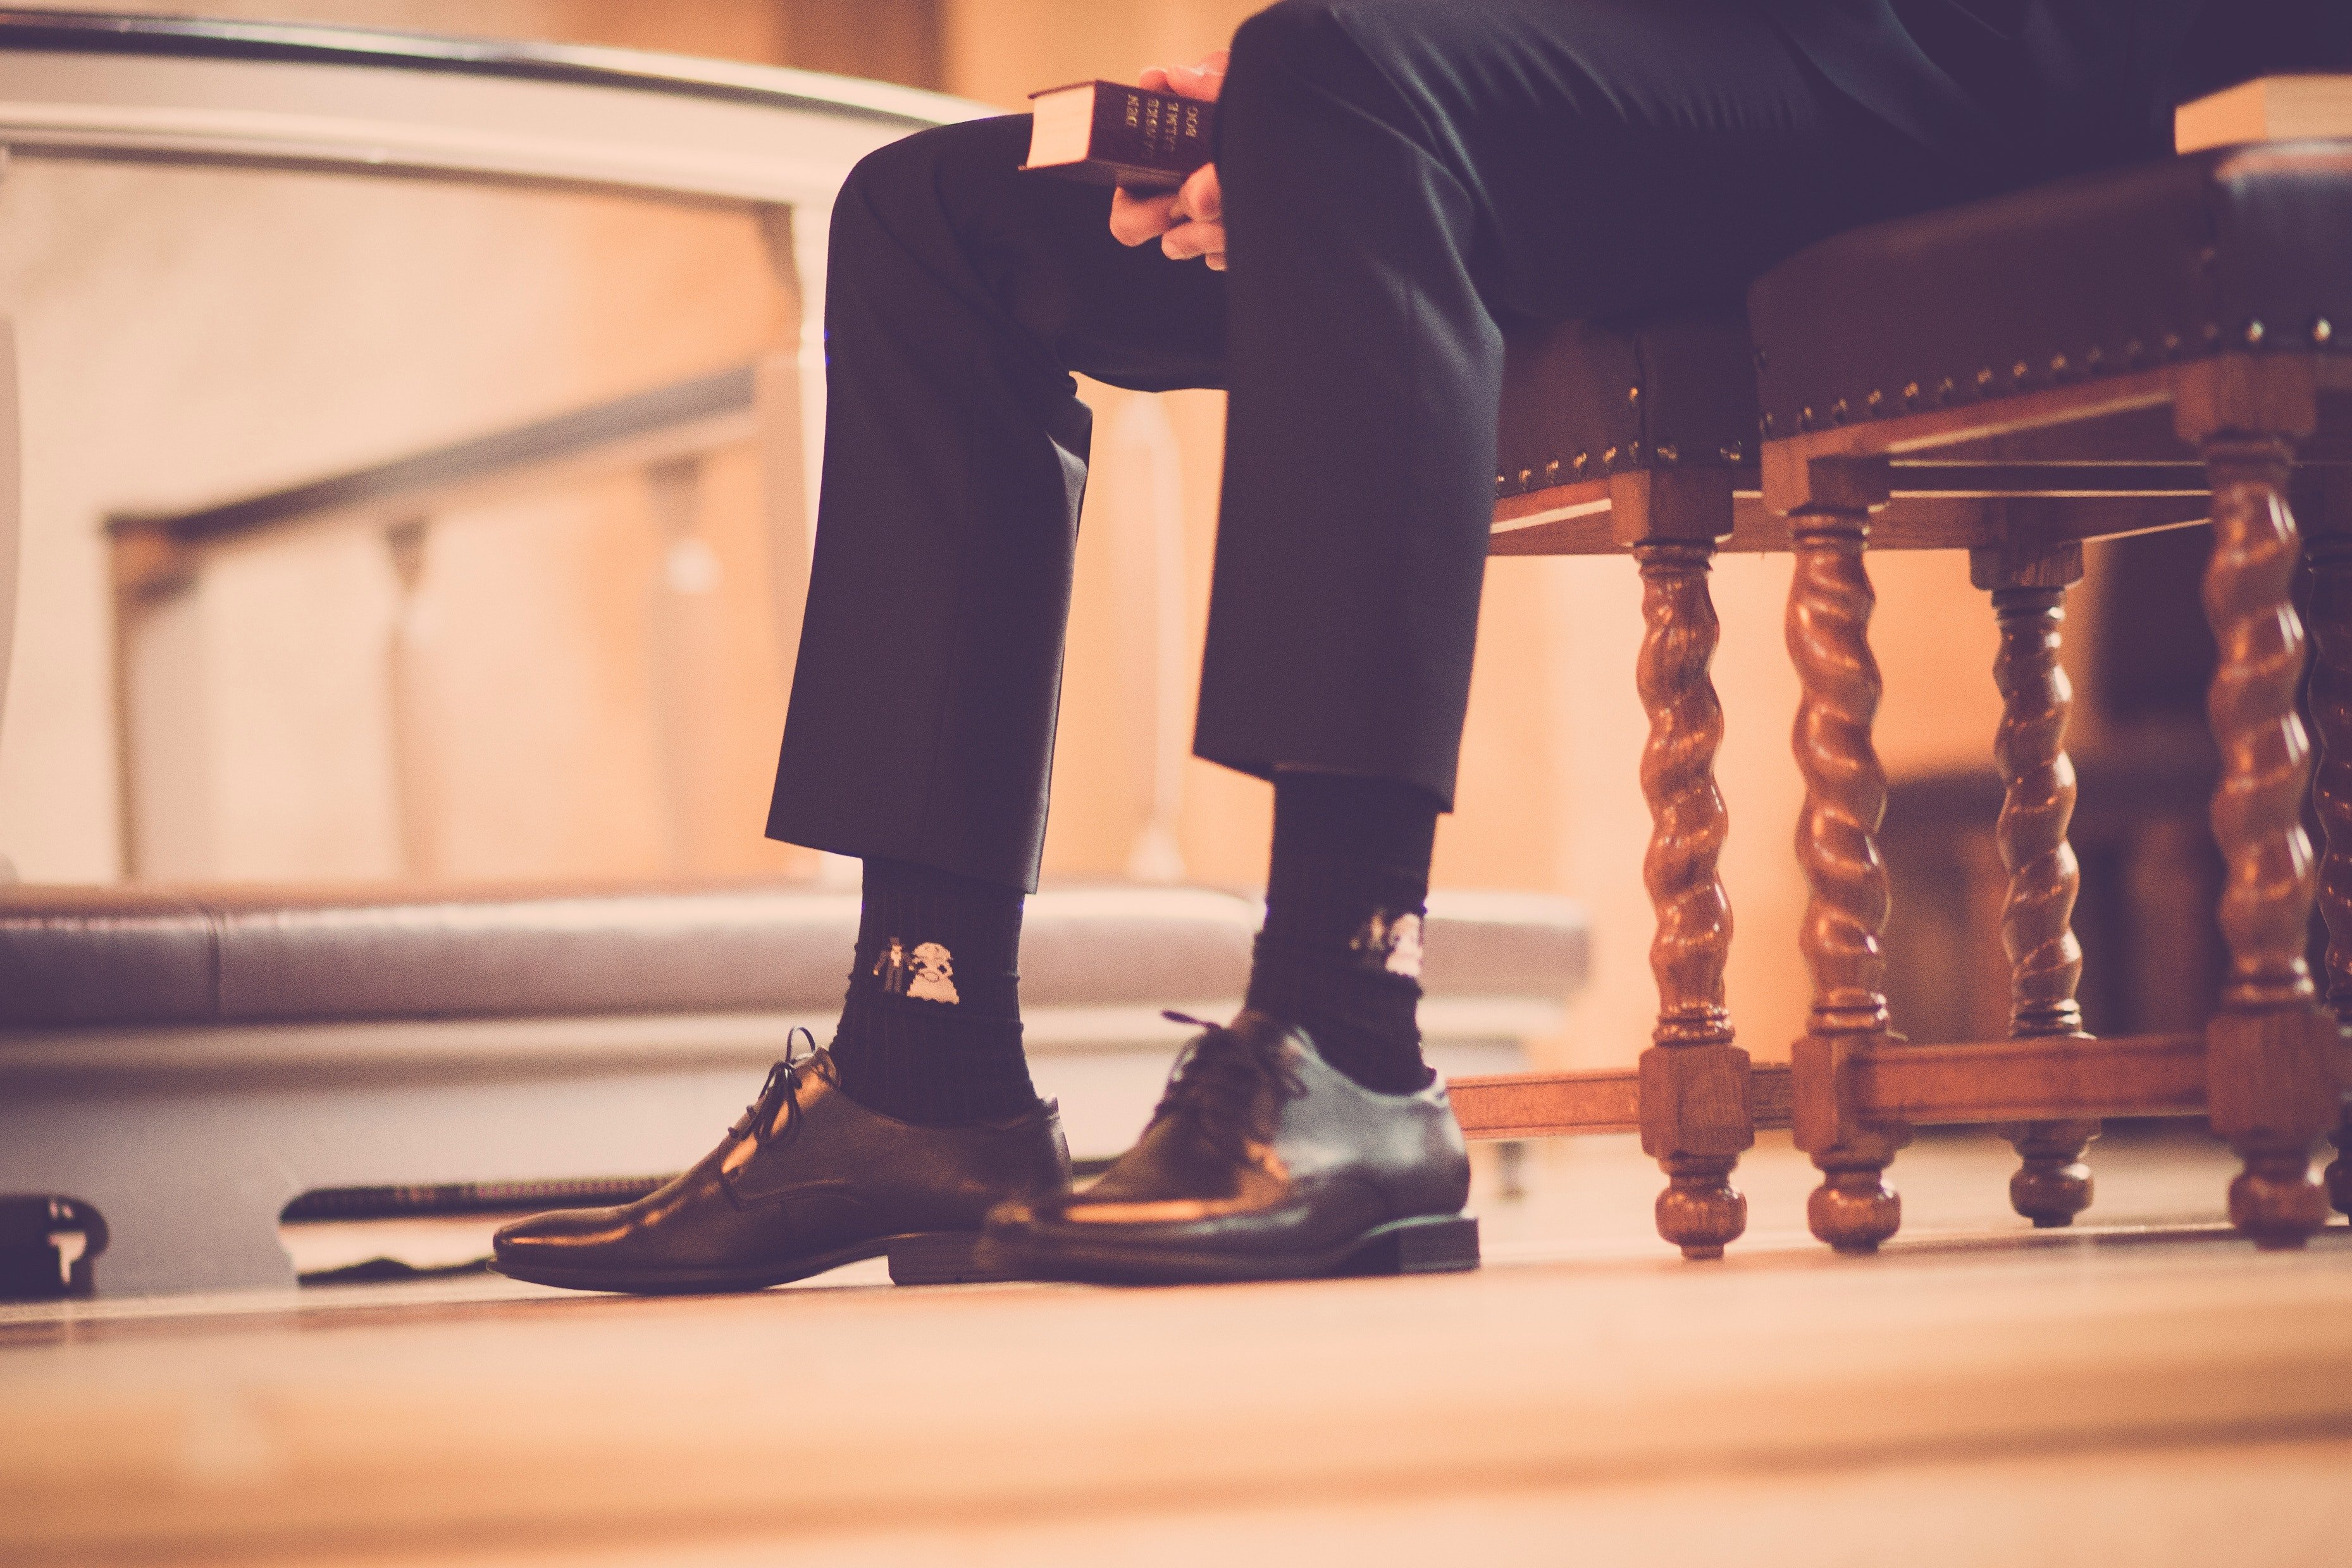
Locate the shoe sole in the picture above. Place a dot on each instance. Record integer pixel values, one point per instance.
(1426, 1244)
(919, 1258)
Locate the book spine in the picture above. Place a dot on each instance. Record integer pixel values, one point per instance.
(1151, 130)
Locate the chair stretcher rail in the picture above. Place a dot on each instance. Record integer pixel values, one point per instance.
(1918, 1085)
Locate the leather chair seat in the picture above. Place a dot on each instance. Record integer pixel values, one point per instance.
(1583, 400)
(134, 955)
(2101, 276)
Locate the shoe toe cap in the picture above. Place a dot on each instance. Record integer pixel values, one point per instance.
(558, 1233)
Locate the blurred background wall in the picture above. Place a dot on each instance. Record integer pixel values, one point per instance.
(192, 336)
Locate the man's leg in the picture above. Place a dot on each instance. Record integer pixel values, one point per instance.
(920, 735)
(962, 296)
(1402, 181)
(1403, 184)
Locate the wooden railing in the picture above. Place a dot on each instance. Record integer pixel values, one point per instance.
(665, 435)
(773, 143)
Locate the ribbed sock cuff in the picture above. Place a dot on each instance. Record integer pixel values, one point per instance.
(1364, 1023)
(907, 1060)
(1340, 954)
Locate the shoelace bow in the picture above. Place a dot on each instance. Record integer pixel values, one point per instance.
(783, 1078)
(1218, 1077)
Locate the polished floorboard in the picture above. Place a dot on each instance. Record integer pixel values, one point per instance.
(2146, 1389)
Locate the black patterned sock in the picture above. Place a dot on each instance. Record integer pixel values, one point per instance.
(930, 1032)
(1340, 953)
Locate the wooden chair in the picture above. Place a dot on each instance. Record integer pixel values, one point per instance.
(1641, 437)
(2089, 339)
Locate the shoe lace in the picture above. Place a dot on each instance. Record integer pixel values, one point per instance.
(1218, 1078)
(783, 1079)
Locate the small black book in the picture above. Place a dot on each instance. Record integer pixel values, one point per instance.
(1108, 134)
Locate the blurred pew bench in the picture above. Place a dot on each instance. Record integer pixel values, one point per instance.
(190, 1061)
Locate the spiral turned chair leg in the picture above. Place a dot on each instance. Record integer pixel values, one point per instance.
(2267, 1051)
(2052, 1185)
(1694, 1112)
(1830, 602)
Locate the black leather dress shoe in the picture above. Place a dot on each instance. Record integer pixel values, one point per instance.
(806, 1181)
(1263, 1161)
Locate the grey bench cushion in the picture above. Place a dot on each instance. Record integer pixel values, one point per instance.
(114, 957)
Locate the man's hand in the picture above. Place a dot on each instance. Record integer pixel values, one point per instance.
(1191, 220)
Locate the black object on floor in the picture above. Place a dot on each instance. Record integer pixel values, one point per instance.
(466, 1197)
(47, 1245)
(392, 1271)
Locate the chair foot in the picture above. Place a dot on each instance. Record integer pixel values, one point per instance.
(2053, 1185)
(1853, 1210)
(2276, 1201)
(1700, 1211)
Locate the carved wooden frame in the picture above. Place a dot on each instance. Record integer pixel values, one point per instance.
(2271, 1072)
(1695, 1119)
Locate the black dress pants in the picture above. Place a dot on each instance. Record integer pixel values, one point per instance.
(1406, 181)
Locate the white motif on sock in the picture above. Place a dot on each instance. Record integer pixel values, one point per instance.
(1404, 946)
(932, 974)
(1390, 943)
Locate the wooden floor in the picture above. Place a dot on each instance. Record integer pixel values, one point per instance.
(2151, 1391)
